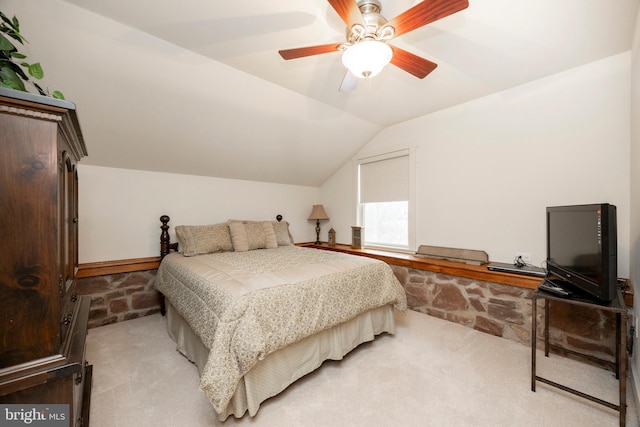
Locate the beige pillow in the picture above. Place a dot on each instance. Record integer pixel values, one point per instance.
(283, 235)
(203, 239)
(250, 235)
(271, 242)
(239, 237)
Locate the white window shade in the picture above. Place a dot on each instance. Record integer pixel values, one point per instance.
(385, 180)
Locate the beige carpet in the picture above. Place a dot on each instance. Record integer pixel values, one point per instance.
(431, 373)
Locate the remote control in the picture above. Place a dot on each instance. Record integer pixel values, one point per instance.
(553, 289)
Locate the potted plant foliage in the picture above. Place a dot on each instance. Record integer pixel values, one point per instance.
(13, 63)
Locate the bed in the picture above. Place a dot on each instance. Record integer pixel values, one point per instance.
(255, 312)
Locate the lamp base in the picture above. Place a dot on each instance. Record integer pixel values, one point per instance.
(317, 232)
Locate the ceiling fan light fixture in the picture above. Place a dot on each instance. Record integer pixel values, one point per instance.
(367, 58)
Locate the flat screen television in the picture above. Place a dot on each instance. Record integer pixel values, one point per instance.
(582, 247)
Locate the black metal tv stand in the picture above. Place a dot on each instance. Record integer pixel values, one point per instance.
(617, 307)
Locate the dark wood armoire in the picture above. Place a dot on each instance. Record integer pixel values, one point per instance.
(43, 321)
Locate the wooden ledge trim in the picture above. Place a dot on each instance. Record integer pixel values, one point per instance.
(478, 272)
(103, 268)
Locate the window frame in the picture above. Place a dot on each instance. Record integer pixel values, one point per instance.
(359, 208)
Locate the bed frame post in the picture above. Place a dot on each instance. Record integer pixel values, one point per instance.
(165, 240)
(165, 248)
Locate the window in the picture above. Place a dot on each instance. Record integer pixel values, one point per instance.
(384, 200)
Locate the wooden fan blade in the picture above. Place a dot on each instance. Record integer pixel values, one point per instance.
(411, 63)
(301, 52)
(348, 11)
(424, 13)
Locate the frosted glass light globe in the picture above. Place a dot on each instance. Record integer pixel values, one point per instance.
(367, 58)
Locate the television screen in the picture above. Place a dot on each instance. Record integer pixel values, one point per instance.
(582, 247)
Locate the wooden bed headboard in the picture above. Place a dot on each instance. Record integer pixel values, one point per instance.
(165, 240)
(166, 247)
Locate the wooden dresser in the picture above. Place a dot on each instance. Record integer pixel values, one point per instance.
(43, 321)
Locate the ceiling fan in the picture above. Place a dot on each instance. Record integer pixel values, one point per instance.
(365, 51)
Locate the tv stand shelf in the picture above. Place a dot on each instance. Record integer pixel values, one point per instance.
(617, 307)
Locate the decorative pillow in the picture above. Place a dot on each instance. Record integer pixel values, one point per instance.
(203, 239)
(283, 235)
(271, 241)
(239, 237)
(250, 235)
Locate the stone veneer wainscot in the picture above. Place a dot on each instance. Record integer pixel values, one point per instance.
(121, 296)
(499, 309)
(505, 311)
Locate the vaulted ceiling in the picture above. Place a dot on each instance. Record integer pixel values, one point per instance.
(197, 86)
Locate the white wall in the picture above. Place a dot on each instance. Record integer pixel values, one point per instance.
(487, 169)
(120, 208)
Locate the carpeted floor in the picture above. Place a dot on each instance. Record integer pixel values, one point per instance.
(430, 373)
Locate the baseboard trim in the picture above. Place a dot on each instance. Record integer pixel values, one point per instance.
(103, 268)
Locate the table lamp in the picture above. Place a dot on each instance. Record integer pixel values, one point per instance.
(318, 213)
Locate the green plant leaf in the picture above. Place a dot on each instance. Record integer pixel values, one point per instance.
(35, 70)
(12, 74)
(11, 32)
(12, 29)
(10, 85)
(5, 44)
(10, 78)
(5, 19)
(37, 86)
(15, 67)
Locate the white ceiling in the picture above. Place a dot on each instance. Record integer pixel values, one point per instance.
(278, 135)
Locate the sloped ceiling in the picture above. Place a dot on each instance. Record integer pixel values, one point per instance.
(197, 86)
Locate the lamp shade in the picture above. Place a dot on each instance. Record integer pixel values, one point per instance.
(318, 213)
(367, 58)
